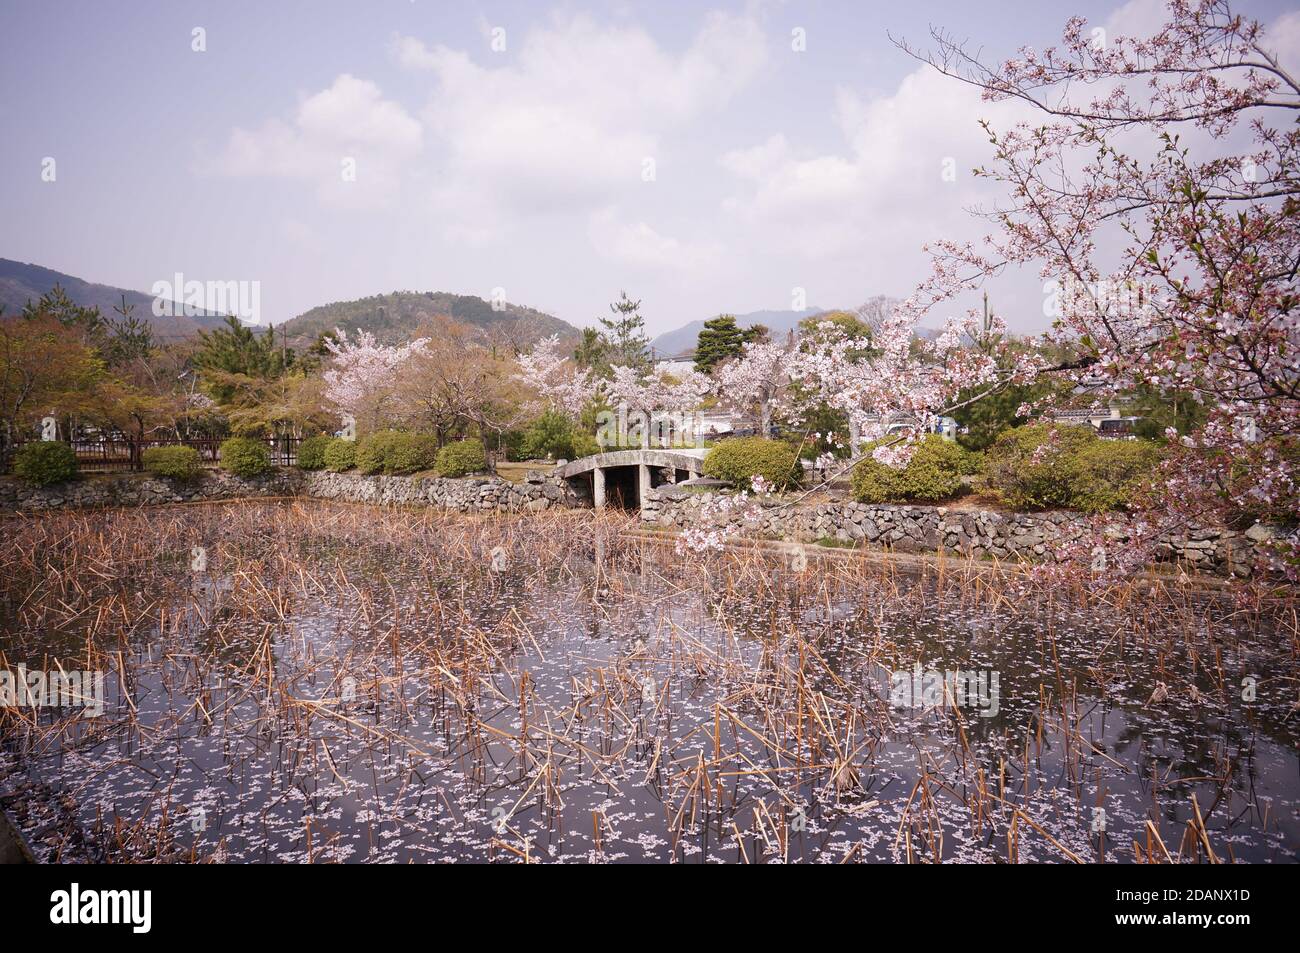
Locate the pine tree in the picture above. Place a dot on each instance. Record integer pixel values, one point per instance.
(719, 339)
(132, 339)
(231, 357)
(625, 333)
(591, 352)
(88, 323)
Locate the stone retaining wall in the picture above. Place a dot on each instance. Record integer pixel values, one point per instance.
(139, 489)
(1026, 536)
(464, 495)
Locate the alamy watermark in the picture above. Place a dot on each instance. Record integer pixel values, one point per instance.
(21, 688)
(919, 687)
(75, 906)
(658, 429)
(178, 297)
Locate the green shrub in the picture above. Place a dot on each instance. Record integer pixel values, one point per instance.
(1040, 466)
(511, 443)
(178, 463)
(1109, 474)
(410, 453)
(739, 459)
(340, 455)
(245, 457)
(1029, 466)
(550, 435)
(395, 451)
(585, 445)
(371, 450)
(459, 458)
(932, 475)
(972, 462)
(311, 452)
(45, 462)
(554, 436)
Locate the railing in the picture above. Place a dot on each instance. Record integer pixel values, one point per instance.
(108, 455)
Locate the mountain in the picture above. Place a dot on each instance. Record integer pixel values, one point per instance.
(393, 317)
(681, 340)
(21, 282)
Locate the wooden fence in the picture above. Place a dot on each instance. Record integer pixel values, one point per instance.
(108, 455)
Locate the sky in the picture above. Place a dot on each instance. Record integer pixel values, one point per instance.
(704, 158)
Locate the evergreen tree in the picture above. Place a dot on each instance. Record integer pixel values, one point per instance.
(88, 323)
(318, 352)
(591, 352)
(131, 339)
(719, 339)
(234, 357)
(625, 333)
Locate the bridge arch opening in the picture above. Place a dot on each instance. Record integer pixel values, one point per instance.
(623, 487)
(621, 477)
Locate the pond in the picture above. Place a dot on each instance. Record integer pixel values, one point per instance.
(315, 683)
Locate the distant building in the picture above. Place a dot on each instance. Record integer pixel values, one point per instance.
(1092, 416)
(676, 367)
(713, 424)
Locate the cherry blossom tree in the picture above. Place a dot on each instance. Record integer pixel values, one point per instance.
(565, 387)
(761, 376)
(560, 383)
(658, 397)
(1158, 197)
(897, 375)
(361, 381)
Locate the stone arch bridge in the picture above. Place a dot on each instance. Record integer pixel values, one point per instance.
(621, 477)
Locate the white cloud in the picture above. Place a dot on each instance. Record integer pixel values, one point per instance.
(566, 123)
(857, 216)
(639, 245)
(348, 121)
(884, 194)
(1137, 18)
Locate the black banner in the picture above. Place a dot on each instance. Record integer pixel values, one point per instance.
(149, 904)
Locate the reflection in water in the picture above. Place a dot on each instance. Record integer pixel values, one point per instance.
(347, 684)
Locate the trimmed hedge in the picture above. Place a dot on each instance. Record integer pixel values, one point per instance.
(410, 453)
(461, 458)
(340, 454)
(932, 475)
(1040, 466)
(311, 452)
(45, 462)
(371, 450)
(245, 457)
(395, 451)
(1109, 474)
(177, 463)
(739, 459)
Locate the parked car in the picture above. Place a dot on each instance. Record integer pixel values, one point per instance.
(773, 432)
